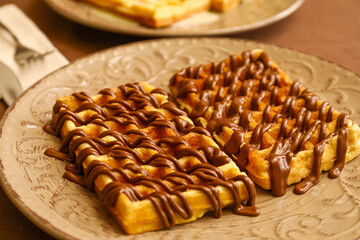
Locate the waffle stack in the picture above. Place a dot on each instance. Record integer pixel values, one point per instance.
(161, 13)
(274, 129)
(150, 166)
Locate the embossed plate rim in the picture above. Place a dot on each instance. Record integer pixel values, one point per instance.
(33, 214)
(95, 20)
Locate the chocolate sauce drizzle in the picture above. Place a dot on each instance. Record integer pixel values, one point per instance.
(249, 84)
(130, 112)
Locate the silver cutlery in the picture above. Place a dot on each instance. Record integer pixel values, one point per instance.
(22, 53)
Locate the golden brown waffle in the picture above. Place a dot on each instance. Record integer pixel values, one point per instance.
(148, 163)
(161, 13)
(224, 5)
(280, 132)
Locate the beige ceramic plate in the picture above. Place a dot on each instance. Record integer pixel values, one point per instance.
(249, 15)
(331, 210)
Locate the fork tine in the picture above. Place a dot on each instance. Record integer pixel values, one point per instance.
(23, 54)
(24, 60)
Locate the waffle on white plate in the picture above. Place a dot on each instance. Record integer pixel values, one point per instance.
(161, 13)
(150, 166)
(276, 130)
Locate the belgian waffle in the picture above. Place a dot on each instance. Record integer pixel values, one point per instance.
(161, 13)
(274, 129)
(224, 5)
(150, 166)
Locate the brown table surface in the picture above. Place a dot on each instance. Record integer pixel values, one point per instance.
(328, 29)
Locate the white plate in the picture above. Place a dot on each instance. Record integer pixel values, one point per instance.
(34, 183)
(249, 15)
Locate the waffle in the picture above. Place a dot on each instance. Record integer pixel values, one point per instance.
(150, 166)
(224, 5)
(161, 13)
(276, 130)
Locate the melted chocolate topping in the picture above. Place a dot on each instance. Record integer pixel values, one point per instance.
(125, 178)
(249, 84)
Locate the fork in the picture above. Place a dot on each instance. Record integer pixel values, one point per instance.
(22, 53)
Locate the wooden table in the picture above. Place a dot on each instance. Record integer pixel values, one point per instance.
(328, 29)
